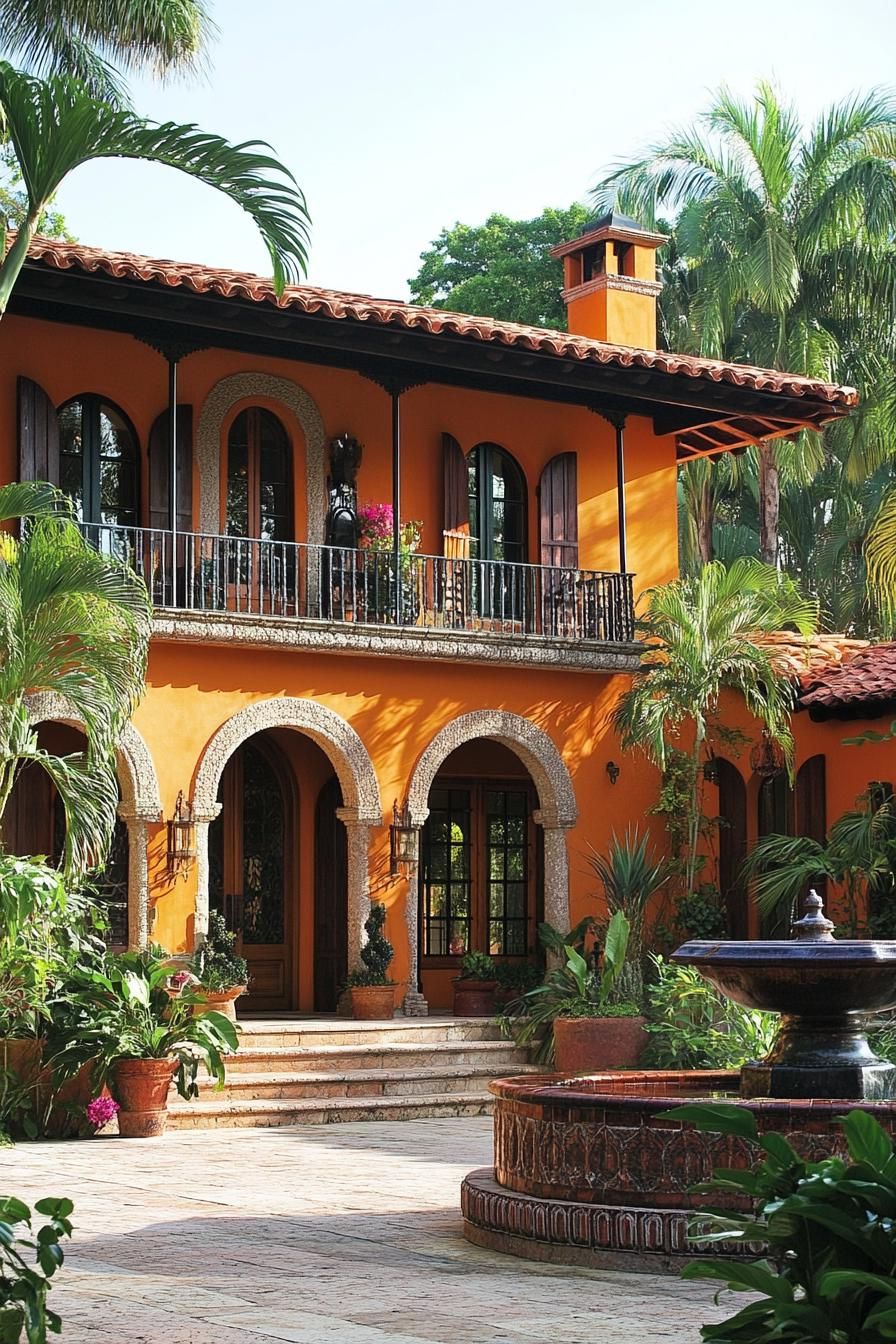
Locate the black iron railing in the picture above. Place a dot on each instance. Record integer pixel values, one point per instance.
(195, 572)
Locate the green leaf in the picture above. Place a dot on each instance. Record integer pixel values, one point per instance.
(867, 1140)
(742, 1278)
(779, 1149)
(716, 1117)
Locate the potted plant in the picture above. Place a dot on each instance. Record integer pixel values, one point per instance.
(474, 988)
(27, 1263)
(32, 903)
(576, 1013)
(141, 1036)
(222, 975)
(372, 992)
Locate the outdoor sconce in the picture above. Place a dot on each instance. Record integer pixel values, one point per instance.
(402, 842)
(613, 771)
(711, 770)
(767, 758)
(181, 838)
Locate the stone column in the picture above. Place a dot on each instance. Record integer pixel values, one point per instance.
(358, 882)
(138, 821)
(202, 821)
(556, 869)
(414, 1004)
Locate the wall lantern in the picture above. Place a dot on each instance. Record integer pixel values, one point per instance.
(767, 758)
(711, 769)
(613, 771)
(402, 842)
(181, 838)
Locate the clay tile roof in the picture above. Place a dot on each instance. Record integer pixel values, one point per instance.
(862, 686)
(435, 321)
(804, 658)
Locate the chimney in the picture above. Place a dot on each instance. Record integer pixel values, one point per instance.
(609, 281)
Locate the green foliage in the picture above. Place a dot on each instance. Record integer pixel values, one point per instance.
(477, 966)
(693, 1026)
(14, 201)
(55, 125)
(630, 875)
(699, 914)
(216, 964)
(124, 1010)
(376, 954)
(28, 1261)
(502, 268)
(77, 623)
(828, 1226)
(515, 977)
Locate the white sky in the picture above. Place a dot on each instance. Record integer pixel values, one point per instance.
(400, 117)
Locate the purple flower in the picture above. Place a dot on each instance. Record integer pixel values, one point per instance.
(101, 1110)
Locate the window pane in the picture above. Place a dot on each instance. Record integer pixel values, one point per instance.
(71, 459)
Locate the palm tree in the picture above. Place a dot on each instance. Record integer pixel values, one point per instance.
(788, 234)
(700, 634)
(77, 623)
(55, 125)
(94, 39)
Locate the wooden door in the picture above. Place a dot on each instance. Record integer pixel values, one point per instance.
(252, 868)
(330, 899)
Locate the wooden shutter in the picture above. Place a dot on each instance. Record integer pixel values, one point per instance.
(456, 493)
(38, 434)
(811, 810)
(559, 512)
(160, 471)
(732, 847)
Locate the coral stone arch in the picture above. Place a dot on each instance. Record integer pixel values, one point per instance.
(557, 811)
(226, 394)
(357, 779)
(140, 805)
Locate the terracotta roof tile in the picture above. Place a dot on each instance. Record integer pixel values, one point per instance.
(436, 321)
(860, 687)
(803, 658)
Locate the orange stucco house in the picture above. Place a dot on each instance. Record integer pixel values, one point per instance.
(302, 684)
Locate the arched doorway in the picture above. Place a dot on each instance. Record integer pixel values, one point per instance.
(732, 847)
(34, 824)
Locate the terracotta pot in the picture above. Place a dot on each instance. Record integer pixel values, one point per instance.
(592, 1044)
(140, 1087)
(67, 1118)
(12, 1324)
(22, 1057)
(220, 1001)
(373, 1003)
(474, 998)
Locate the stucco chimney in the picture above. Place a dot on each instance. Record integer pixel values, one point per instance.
(609, 281)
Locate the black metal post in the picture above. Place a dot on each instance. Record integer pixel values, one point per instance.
(396, 499)
(172, 470)
(620, 491)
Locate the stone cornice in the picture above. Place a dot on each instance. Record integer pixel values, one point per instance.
(630, 284)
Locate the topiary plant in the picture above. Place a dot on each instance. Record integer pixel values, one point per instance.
(376, 954)
(216, 964)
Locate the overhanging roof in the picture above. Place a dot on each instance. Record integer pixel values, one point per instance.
(708, 405)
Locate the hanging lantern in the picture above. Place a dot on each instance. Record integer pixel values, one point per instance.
(767, 758)
(181, 838)
(711, 769)
(402, 842)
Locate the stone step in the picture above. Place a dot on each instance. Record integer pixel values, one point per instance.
(269, 1033)
(501, 1055)
(353, 1083)
(335, 1110)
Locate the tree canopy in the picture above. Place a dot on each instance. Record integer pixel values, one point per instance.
(502, 268)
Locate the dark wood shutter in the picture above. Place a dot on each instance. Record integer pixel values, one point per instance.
(732, 847)
(811, 809)
(38, 434)
(559, 512)
(160, 471)
(456, 495)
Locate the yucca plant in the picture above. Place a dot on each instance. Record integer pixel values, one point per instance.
(77, 623)
(630, 875)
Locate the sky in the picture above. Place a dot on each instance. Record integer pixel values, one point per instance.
(401, 117)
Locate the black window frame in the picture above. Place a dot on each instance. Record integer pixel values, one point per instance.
(93, 404)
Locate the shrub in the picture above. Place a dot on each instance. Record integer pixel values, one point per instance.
(376, 954)
(27, 1263)
(477, 966)
(693, 1026)
(216, 964)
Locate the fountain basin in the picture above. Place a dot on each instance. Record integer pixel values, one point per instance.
(587, 1173)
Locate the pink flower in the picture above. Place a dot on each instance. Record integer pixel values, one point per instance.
(101, 1110)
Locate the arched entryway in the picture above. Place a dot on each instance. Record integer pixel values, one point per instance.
(284, 799)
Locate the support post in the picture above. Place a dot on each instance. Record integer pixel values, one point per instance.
(172, 470)
(620, 492)
(396, 498)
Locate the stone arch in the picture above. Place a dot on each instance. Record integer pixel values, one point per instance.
(524, 738)
(221, 399)
(357, 778)
(557, 808)
(140, 805)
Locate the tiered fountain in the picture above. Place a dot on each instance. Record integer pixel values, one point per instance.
(588, 1171)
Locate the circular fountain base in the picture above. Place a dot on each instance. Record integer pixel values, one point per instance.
(588, 1172)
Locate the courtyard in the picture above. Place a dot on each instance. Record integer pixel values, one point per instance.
(349, 1234)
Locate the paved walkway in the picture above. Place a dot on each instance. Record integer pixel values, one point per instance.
(341, 1234)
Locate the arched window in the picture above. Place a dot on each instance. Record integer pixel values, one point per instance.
(99, 466)
(497, 489)
(259, 477)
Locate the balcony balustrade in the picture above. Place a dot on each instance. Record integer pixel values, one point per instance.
(239, 576)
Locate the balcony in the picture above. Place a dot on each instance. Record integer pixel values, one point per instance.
(237, 590)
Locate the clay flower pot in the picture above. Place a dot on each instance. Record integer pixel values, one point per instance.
(12, 1324)
(593, 1044)
(22, 1057)
(141, 1088)
(373, 1003)
(474, 998)
(220, 1001)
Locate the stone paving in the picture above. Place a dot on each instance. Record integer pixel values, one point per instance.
(348, 1234)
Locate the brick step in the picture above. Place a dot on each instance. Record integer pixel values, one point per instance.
(500, 1055)
(335, 1110)
(353, 1083)
(270, 1033)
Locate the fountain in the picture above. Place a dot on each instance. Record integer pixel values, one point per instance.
(589, 1171)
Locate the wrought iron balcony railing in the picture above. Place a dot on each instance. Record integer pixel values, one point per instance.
(195, 572)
